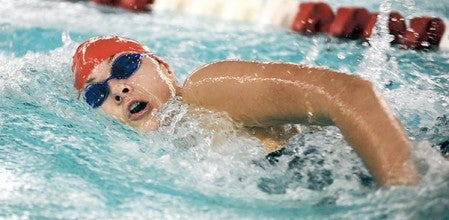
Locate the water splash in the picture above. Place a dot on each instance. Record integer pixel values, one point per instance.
(313, 52)
(376, 64)
(61, 158)
(410, 6)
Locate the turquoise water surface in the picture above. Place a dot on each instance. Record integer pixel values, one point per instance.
(59, 159)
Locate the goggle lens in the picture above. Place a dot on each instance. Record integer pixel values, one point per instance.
(123, 67)
(96, 94)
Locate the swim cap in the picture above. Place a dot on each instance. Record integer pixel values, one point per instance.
(95, 50)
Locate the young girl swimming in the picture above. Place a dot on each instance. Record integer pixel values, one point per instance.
(126, 80)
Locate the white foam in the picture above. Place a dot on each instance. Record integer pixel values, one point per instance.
(444, 44)
(268, 12)
(279, 12)
(216, 167)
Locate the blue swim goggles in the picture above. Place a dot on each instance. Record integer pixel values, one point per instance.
(123, 67)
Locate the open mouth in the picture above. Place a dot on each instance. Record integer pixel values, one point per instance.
(138, 109)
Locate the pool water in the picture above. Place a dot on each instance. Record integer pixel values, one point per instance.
(59, 159)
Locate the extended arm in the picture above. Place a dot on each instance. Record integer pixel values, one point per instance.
(268, 94)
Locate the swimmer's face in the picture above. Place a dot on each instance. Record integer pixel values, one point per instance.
(135, 100)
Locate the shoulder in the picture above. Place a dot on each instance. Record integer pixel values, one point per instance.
(242, 68)
(261, 69)
(246, 63)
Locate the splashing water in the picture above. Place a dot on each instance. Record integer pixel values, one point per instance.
(375, 58)
(61, 159)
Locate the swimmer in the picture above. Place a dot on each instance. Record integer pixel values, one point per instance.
(127, 81)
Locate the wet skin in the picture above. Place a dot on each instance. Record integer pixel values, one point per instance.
(263, 94)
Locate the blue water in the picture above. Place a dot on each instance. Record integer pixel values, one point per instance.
(59, 159)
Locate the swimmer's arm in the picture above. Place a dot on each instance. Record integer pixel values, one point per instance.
(267, 94)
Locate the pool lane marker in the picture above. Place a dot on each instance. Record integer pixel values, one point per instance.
(424, 32)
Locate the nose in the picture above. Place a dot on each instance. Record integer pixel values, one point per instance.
(119, 92)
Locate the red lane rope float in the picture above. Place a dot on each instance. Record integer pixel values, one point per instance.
(133, 5)
(425, 32)
(314, 17)
(396, 26)
(349, 22)
(357, 22)
(136, 5)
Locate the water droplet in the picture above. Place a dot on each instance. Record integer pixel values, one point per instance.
(425, 44)
(341, 55)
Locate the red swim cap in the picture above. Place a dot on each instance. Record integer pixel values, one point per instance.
(95, 50)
